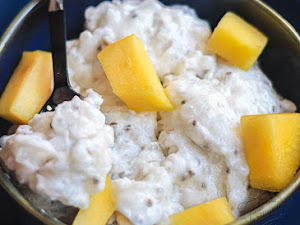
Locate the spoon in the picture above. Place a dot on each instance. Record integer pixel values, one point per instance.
(62, 88)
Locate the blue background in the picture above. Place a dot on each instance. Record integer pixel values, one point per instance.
(12, 214)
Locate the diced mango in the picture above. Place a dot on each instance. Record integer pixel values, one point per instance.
(132, 76)
(272, 146)
(29, 88)
(215, 212)
(237, 41)
(102, 206)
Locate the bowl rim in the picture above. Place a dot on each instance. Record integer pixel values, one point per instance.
(250, 217)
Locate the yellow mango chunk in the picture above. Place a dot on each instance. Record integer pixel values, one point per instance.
(272, 146)
(102, 206)
(29, 88)
(215, 212)
(237, 41)
(132, 76)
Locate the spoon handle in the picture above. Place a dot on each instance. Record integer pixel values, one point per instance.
(58, 42)
(62, 89)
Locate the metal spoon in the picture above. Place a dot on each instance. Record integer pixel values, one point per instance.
(62, 88)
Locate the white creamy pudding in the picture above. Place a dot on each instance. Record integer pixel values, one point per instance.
(64, 155)
(160, 162)
(196, 147)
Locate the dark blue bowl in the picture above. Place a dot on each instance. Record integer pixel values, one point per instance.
(280, 60)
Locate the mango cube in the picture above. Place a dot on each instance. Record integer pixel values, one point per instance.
(272, 146)
(132, 76)
(237, 41)
(29, 88)
(215, 212)
(102, 206)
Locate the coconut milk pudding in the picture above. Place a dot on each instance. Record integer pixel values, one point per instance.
(160, 163)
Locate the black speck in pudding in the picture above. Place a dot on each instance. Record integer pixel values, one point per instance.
(122, 174)
(102, 45)
(95, 181)
(128, 127)
(205, 147)
(133, 15)
(205, 71)
(99, 48)
(228, 73)
(203, 185)
(112, 124)
(183, 102)
(105, 43)
(198, 76)
(89, 152)
(227, 170)
(149, 202)
(75, 107)
(194, 122)
(191, 173)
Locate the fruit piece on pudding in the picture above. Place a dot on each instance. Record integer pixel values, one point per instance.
(29, 88)
(272, 146)
(102, 206)
(215, 212)
(237, 41)
(132, 75)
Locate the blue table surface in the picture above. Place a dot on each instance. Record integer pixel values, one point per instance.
(287, 214)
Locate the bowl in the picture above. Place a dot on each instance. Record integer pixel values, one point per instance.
(280, 60)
